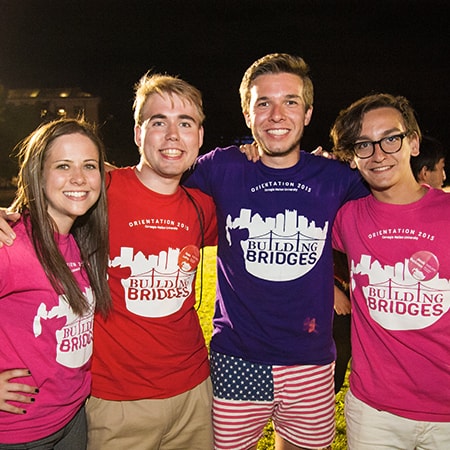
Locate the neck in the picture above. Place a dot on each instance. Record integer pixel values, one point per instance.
(155, 182)
(401, 195)
(281, 161)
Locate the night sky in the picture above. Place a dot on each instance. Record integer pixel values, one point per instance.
(353, 48)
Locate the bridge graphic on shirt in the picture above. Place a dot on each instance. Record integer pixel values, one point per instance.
(74, 339)
(395, 298)
(280, 248)
(158, 285)
(274, 238)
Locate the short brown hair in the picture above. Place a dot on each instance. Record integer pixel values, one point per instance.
(272, 64)
(348, 124)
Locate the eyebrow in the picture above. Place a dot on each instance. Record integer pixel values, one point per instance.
(163, 116)
(384, 134)
(71, 160)
(288, 96)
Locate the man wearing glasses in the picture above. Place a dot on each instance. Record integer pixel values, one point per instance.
(397, 242)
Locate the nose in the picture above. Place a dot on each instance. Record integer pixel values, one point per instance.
(78, 176)
(172, 132)
(276, 113)
(378, 154)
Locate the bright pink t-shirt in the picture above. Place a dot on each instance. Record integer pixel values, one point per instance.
(399, 257)
(39, 331)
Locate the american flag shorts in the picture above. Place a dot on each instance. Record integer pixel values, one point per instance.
(298, 399)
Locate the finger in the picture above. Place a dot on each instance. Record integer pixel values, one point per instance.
(14, 373)
(20, 387)
(18, 398)
(7, 234)
(11, 408)
(12, 216)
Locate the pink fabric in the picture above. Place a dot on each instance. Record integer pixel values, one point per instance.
(400, 269)
(38, 331)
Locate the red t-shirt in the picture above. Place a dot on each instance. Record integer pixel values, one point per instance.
(152, 345)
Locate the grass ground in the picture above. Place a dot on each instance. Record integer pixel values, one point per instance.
(205, 313)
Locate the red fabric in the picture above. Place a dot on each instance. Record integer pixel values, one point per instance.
(152, 345)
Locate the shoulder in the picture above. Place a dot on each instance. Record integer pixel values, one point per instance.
(328, 164)
(353, 206)
(222, 154)
(118, 179)
(120, 172)
(438, 198)
(22, 244)
(203, 200)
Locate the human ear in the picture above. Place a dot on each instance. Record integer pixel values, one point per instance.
(247, 119)
(308, 115)
(414, 144)
(137, 135)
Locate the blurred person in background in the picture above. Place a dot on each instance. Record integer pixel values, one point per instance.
(429, 165)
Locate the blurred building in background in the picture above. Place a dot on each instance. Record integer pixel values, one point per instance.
(54, 103)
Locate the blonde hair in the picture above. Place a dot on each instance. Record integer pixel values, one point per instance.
(160, 84)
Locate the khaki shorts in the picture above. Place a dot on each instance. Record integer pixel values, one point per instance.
(182, 422)
(368, 429)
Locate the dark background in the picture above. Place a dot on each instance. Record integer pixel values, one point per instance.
(353, 48)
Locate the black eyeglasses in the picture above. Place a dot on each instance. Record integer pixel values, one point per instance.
(389, 145)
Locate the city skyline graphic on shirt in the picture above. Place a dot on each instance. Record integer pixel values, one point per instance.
(280, 248)
(158, 284)
(397, 299)
(74, 339)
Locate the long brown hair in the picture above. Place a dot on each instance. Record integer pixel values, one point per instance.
(90, 231)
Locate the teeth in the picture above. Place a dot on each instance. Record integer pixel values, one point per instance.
(171, 152)
(278, 132)
(75, 194)
(381, 169)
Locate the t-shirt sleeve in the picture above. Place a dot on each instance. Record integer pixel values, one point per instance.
(337, 232)
(199, 177)
(357, 187)
(209, 211)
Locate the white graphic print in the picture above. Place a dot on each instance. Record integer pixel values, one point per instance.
(407, 296)
(280, 248)
(158, 284)
(74, 340)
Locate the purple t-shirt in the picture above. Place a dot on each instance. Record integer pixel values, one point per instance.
(275, 270)
(40, 332)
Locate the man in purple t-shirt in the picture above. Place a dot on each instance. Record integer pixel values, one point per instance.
(272, 352)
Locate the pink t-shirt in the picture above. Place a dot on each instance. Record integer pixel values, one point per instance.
(39, 331)
(399, 257)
